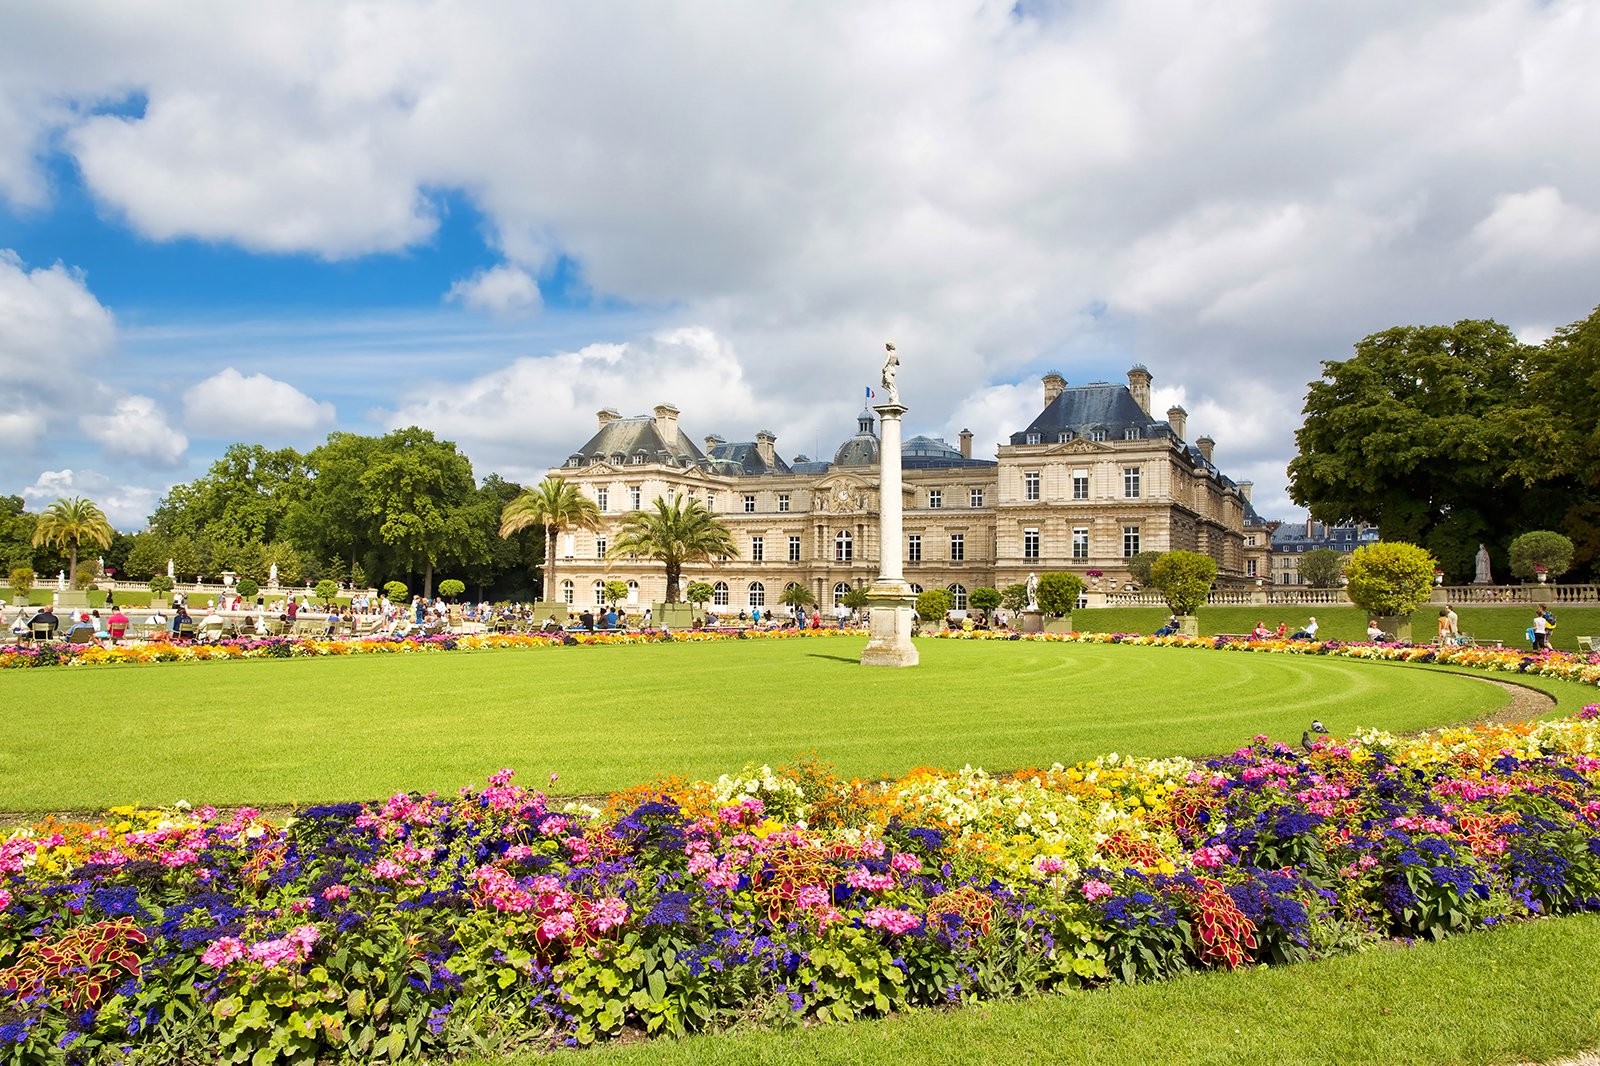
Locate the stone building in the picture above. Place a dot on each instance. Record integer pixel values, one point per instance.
(1093, 479)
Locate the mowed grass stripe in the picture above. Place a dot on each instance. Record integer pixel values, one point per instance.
(308, 730)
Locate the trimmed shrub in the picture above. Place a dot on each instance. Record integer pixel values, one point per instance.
(1184, 579)
(1390, 578)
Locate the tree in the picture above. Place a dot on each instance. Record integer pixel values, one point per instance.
(1139, 565)
(70, 524)
(1418, 434)
(161, 584)
(1390, 578)
(242, 498)
(22, 579)
(395, 591)
(935, 604)
(451, 587)
(415, 489)
(985, 599)
(855, 599)
(556, 504)
(699, 593)
(1321, 568)
(1059, 592)
(327, 590)
(615, 592)
(797, 596)
(674, 534)
(1014, 597)
(1541, 548)
(247, 588)
(1184, 579)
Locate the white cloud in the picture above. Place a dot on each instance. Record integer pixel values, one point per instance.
(234, 405)
(20, 429)
(1537, 229)
(50, 324)
(136, 428)
(503, 290)
(127, 507)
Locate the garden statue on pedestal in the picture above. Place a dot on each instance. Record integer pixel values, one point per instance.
(1483, 577)
(1032, 617)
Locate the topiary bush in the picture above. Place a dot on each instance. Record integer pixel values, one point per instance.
(450, 588)
(1390, 578)
(1058, 593)
(396, 591)
(1184, 579)
(327, 589)
(161, 584)
(1540, 548)
(935, 603)
(247, 588)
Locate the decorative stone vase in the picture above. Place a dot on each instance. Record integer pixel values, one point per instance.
(1399, 625)
(1188, 625)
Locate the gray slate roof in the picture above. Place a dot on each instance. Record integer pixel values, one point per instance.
(927, 453)
(744, 458)
(1083, 408)
(620, 440)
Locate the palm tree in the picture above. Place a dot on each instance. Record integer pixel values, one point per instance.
(797, 596)
(555, 505)
(69, 523)
(674, 533)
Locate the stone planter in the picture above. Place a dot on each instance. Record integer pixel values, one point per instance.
(1059, 625)
(1188, 625)
(1399, 625)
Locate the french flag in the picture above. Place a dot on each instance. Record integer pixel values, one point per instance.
(870, 393)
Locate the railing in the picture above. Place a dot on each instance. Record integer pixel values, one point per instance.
(1300, 596)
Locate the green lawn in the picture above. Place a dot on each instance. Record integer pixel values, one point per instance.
(304, 730)
(1506, 624)
(1520, 994)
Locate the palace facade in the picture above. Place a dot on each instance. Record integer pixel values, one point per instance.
(1093, 479)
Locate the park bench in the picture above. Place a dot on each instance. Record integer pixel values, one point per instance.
(81, 636)
(42, 631)
(1586, 644)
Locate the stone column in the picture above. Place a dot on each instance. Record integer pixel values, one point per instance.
(889, 597)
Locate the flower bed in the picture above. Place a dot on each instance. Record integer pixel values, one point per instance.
(436, 926)
(169, 651)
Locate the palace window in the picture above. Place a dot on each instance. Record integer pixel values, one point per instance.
(783, 501)
(1097, 434)
(959, 594)
(599, 547)
(719, 594)
(935, 499)
(602, 498)
(1030, 485)
(758, 550)
(1030, 544)
(634, 495)
(711, 502)
(794, 549)
(975, 498)
(567, 591)
(1131, 433)
(749, 505)
(633, 592)
(958, 547)
(1080, 484)
(914, 548)
(1130, 541)
(1080, 542)
(1250, 568)
(844, 547)
(1033, 438)
(840, 591)
(599, 592)
(758, 594)
(1131, 477)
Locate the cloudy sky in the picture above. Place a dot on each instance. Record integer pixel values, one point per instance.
(265, 222)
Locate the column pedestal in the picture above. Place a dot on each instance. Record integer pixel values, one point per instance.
(892, 604)
(1032, 620)
(890, 597)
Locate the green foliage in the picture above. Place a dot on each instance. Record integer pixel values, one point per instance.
(161, 584)
(22, 579)
(984, 599)
(855, 599)
(358, 576)
(1184, 579)
(699, 592)
(1541, 548)
(1139, 565)
(615, 592)
(796, 595)
(934, 604)
(673, 534)
(1014, 597)
(451, 587)
(555, 505)
(396, 591)
(327, 589)
(415, 488)
(1058, 593)
(1390, 577)
(1321, 568)
(247, 588)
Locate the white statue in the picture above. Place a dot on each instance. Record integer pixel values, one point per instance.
(1483, 577)
(1033, 592)
(272, 575)
(61, 579)
(891, 365)
(172, 570)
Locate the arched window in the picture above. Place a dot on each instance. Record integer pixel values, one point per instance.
(840, 591)
(599, 592)
(960, 594)
(916, 589)
(758, 594)
(793, 585)
(633, 592)
(567, 592)
(844, 546)
(719, 594)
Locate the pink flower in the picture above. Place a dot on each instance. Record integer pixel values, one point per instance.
(181, 857)
(891, 920)
(557, 926)
(554, 825)
(1210, 858)
(608, 914)
(1049, 864)
(333, 892)
(388, 870)
(5, 899)
(222, 952)
(905, 863)
(869, 882)
(501, 778)
(1094, 890)
(811, 896)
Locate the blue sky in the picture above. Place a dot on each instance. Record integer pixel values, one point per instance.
(492, 219)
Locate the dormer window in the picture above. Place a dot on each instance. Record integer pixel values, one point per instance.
(1097, 434)
(1033, 438)
(1064, 436)
(1131, 433)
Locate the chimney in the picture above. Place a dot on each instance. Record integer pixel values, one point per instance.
(1139, 385)
(1178, 419)
(1205, 444)
(712, 441)
(667, 423)
(1053, 384)
(966, 444)
(1245, 489)
(766, 447)
(606, 416)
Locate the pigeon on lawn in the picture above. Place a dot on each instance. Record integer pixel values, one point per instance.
(1318, 727)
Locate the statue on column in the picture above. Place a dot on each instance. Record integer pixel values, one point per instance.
(1033, 592)
(891, 366)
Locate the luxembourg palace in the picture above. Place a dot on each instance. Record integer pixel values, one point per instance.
(1092, 480)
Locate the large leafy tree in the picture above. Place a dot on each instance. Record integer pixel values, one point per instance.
(242, 499)
(1184, 579)
(674, 534)
(414, 490)
(556, 504)
(1417, 434)
(70, 524)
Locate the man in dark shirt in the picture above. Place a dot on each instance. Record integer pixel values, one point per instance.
(46, 617)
